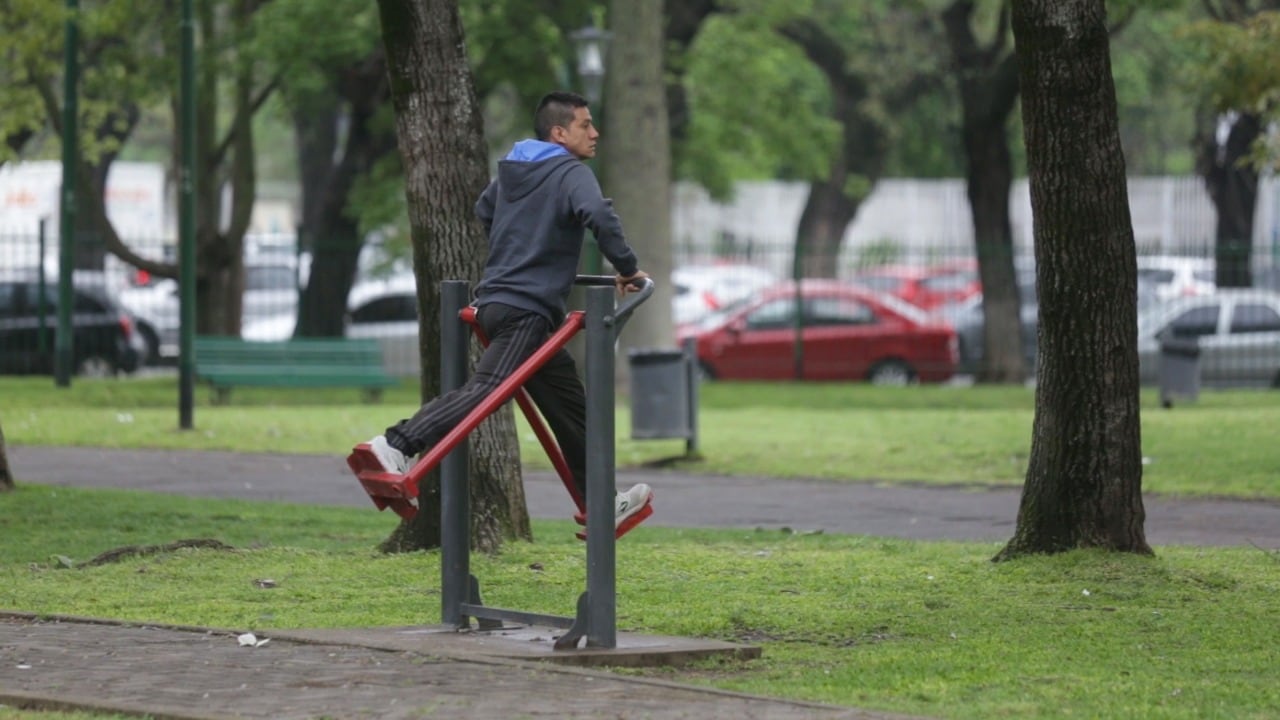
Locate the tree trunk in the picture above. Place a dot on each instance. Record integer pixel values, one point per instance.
(332, 241)
(637, 162)
(827, 213)
(988, 82)
(1232, 183)
(1084, 478)
(441, 137)
(834, 200)
(6, 477)
(330, 232)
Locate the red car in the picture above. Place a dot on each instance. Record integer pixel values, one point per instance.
(925, 287)
(849, 333)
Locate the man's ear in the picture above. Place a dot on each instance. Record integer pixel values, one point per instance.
(557, 134)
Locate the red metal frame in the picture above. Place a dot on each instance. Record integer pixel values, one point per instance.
(395, 491)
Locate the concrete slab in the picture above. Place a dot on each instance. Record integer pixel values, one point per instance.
(526, 642)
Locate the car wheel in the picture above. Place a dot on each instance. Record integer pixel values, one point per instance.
(705, 373)
(152, 341)
(96, 366)
(891, 372)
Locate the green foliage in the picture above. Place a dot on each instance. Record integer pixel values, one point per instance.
(1235, 66)
(113, 73)
(753, 92)
(884, 251)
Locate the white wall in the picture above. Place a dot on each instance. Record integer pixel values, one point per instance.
(929, 218)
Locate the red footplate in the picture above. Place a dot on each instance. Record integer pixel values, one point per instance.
(387, 490)
(641, 515)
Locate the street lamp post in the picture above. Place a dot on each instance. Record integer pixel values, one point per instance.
(591, 44)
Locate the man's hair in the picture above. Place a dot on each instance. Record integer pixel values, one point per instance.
(555, 109)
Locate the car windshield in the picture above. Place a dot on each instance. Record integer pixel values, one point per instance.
(268, 277)
(905, 309)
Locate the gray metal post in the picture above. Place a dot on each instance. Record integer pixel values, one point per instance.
(691, 379)
(601, 556)
(42, 301)
(455, 505)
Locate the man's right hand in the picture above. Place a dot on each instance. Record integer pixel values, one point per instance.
(630, 283)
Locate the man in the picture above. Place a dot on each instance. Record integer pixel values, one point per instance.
(535, 213)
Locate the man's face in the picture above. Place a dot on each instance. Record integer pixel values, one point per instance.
(580, 136)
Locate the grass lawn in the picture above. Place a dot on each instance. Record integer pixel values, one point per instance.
(918, 627)
(1222, 445)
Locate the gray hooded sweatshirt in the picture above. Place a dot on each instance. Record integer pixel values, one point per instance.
(535, 213)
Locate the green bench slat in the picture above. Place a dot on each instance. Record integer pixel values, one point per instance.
(307, 362)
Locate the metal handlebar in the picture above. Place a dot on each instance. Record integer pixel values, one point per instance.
(623, 312)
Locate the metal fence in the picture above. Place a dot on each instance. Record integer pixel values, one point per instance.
(911, 241)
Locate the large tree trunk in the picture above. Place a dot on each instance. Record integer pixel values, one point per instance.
(827, 213)
(1232, 183)
(637, 167)
(834, 200)
(441, 137)
(1084, 479)
(328, 230)
(988, 83)
(6, 477)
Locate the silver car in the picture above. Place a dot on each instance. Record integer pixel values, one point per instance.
(1237, 332)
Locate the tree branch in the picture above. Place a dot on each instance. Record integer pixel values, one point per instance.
(224, 145)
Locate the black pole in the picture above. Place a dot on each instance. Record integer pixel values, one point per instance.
(63, 349)
(187, 227)
(455, 506)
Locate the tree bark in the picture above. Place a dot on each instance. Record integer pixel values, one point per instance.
(328, 230)
(1232, 183)
(441, 137)
(834, 200)
(6, 477)
(1084, 479)
(987, 78)
(637, 167)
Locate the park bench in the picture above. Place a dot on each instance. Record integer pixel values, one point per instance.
(227, 362)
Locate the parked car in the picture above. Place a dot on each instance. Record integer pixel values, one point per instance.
(703, 289)
(270, 291)
(1176, 276)
(927, 287)
(1237, 331)
(104, 339)
(970, 323)
(387, 309)
(848, 333)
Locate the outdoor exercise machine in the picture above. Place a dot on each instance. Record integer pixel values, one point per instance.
(460, 599)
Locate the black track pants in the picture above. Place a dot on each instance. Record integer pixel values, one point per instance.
(514, 335)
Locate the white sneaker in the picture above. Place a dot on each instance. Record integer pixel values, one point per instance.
(630, 502)
(393, 461)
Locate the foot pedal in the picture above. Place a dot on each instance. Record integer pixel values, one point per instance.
(640, 516)
(387, 490)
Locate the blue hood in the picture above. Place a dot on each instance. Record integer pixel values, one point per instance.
(534, 151)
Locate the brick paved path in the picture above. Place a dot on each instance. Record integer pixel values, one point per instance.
(192, 674)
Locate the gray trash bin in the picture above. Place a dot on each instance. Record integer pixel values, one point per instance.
(663, 395)
(1179, 369)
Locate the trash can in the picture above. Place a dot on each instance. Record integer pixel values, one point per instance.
(1179, 369)
(663, 395)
